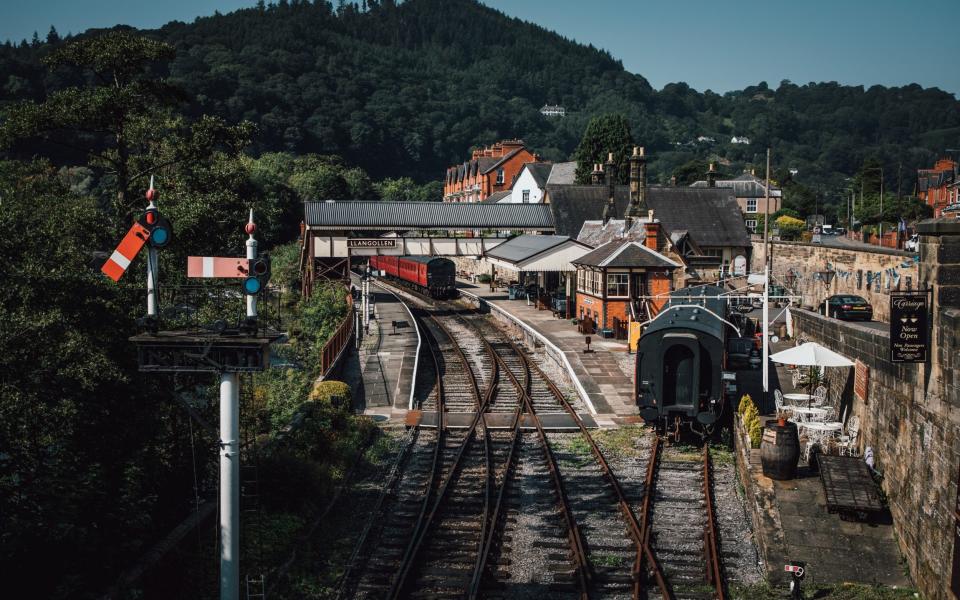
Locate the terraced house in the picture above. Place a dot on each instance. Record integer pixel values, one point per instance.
(489, 170)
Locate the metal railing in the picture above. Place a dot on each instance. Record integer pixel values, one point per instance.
(339, 341)
(216, 309)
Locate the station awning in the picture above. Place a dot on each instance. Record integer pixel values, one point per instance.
(536, 253)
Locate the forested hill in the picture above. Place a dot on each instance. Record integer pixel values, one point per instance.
(406, 89)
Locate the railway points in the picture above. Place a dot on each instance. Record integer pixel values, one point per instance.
(598, 373)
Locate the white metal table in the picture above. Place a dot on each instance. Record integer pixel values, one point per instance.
(805, 415)
(797, 397)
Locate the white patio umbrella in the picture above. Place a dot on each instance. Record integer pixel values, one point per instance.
(811, 354)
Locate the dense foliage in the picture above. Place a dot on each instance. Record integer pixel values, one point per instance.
(405, 89)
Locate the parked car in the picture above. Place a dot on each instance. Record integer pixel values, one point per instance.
(912, 244)
(847, 307)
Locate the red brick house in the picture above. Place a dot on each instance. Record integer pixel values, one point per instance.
(934, 185)
(488, 171)
(615, 280)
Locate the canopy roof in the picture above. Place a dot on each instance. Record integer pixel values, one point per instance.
(811, 354)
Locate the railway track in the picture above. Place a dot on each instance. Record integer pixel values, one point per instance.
(682, 532)
(490, 504)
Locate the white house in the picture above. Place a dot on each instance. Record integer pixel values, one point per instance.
(553, 110)
(530, 183)
(740, 139)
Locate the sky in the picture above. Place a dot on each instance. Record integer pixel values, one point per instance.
(709, 44)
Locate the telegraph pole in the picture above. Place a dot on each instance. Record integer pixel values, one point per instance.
(766, 287)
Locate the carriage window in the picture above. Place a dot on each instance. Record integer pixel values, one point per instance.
(617, 285)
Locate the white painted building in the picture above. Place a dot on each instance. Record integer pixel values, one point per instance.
(530, 184)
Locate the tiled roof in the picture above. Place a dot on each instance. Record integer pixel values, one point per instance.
(540, 172)
(710, 215)
(496, 197)
(393, 216)
(621, 253)
(743, 188)
(562, 173)
(498, 161)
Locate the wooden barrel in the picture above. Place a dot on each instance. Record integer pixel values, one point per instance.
(780, 450)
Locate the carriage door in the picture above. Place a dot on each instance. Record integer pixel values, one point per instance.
(681, 369)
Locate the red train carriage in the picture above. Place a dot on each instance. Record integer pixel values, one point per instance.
(430, 275)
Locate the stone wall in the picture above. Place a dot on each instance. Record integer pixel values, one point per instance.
(853, 272)
(911, 415)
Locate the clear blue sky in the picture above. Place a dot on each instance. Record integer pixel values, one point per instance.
(710, 44)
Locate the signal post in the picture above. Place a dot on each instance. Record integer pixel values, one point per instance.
(226, 349)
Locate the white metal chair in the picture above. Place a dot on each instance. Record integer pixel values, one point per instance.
(848, 441)
(778, 400)
(819, 396)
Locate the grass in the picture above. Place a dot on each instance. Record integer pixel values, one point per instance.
(846, 591)
(721, 456)
(607, 560)
(623, 442)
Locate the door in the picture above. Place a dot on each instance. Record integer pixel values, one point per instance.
(679, 376)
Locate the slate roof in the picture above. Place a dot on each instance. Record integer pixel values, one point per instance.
(393, 216)
(743, 188)
(619, 253)
(710, 215)
(540, 172)
(496, 197)
(498, 161)
(525, 247)
(562, 173)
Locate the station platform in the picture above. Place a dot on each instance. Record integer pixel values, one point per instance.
(792, 521)
(601, 373)
(386, 358)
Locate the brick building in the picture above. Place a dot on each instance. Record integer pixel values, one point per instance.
(489, 170)
(751, 194)
(935, 186)
(615, 280)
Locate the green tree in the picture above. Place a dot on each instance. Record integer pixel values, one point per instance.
(690, 171)
(120, 122)
(604, 135)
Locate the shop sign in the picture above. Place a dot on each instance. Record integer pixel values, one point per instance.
(909, 334)
(861, 381)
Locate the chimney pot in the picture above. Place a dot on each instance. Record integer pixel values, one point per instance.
(641, 151)
(610, 157)
(635, 150)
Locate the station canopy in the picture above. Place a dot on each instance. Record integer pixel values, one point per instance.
(537, 253)
(347, 215)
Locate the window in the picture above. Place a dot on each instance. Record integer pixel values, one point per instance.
(751, 205)
(588, 282)
(526, 196)
(499, 176)
(713, 251)
(617, 285)
(751, 224)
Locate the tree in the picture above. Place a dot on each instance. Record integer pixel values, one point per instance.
(691, 171)
(603, 135)
(121, 122)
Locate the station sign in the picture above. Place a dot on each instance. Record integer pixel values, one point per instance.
(371, 243)
(909, 333)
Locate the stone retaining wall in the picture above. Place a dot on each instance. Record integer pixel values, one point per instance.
(912, 421)
(853, 272)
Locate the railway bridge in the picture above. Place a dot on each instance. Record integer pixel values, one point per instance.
(335, 230)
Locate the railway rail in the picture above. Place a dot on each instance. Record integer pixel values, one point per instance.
(460, 523)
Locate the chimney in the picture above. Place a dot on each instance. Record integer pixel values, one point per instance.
(596, 177)
(711, 177)
(610, 210)
(673, 181)
(638, 186)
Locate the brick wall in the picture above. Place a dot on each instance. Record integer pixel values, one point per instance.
(911, 416)
(850, 266)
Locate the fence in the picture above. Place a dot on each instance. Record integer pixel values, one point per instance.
(339, 342)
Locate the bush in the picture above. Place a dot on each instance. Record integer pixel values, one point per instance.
(755, 430)
(483, 278)
(750, 417)
(323, 391)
